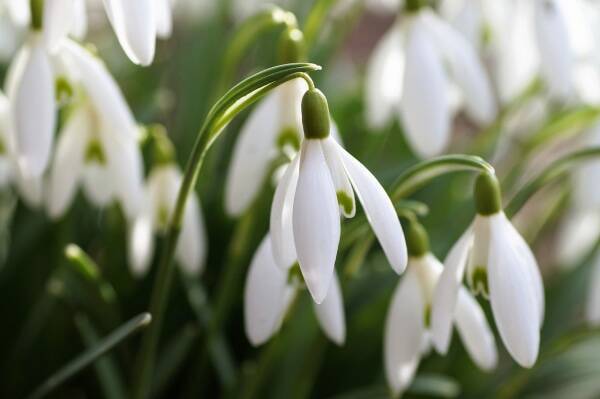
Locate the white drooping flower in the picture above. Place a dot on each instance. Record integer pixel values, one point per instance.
(498, 264)
(138, 24)
(273, 130)
(320, 183)
(424, 71)
(98, 145)
(162, 188)
(407, 329)
(269, 292)
(31, 89)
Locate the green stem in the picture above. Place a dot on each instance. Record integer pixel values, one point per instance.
(89, 356)
(555, 170)
(270, 18)
(234, 101)
(417, 176)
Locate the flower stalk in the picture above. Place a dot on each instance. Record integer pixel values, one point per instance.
(225, 109)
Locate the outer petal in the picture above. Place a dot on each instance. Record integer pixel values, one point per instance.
(379, 210)
(134, 23)
(102, 90)
(68, 162)
(316, 220)
(424, 108)
(98, 184)
(281, 230)
(253, 153)
(555, 51)
(513, 294)
(80, 21)
(343, 187)
(404, 332)
(32, 93)
(330, 313)
(384, 78)
(164, 18)
(592, 309)
(475, 331)
(141, 244)
(466, 68)
(58, 16)
(446, 291)
(266, 295)
(191, 248)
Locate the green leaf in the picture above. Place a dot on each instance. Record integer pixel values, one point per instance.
(91, 355)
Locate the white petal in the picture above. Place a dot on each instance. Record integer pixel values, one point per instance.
(553, 43)
(316, 220)
(102, 90)
(33, 105)
(254, 150)
(424, 106)
(475, 331)
(384, 79)
(124, 163)
(141, 245)
(330, 313)
(191, 247)
(592, 309)
(58, 18)
(80, 21)
(446, 291)
(466, 69)
(379, 210)
(513, 294)
(266, 295)
(68, 162)
(280, 228)
(31, 189)
(19, 11)
(342, 184)
(98, 184)
(404, 332)
(134, 23)
(164, 18)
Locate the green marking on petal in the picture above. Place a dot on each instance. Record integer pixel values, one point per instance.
(346, 202)
(295, 274)
(63, 89)
(288, 136)
(2, 147)
(427, 316)
(479, 281)
(95, 153)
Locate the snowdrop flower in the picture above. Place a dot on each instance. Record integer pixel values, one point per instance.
(319, 183)
(424, 70)
(31, 89)
(273, 128)
(161, 192)
(138, 24)
(500, 266)
(269, 292)
(97, 147)
(407, 328)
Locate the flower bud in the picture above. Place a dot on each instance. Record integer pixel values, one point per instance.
(292, 47)
(417, 240)
(488, 200)
(315, 115)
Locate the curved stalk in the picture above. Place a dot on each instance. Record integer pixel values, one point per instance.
(234, 101)
(270, 18)
(417, 176)
(555, 170)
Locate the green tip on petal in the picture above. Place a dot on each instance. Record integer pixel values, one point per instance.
(63, 89)
(417, 240)
(95, 153)
(288, 136)
(479, 282)
(315, 115)
(414, 5)
(488, 199)
(345, 202)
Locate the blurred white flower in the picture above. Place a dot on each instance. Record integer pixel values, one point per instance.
(98, 145)
(318, 185)
(19, 11)
(424, 71)
(407, 329)
(499, 265)
(269, 292)
(138, 24)
(161, 192)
